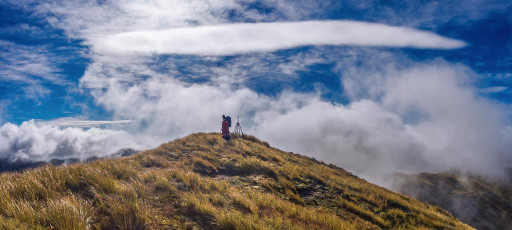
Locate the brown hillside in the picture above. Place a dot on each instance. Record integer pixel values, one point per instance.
(204, 182)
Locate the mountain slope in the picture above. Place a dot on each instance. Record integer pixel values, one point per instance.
(481, 202)
(202, 181)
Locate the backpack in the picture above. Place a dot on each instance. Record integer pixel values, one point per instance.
(228, 118)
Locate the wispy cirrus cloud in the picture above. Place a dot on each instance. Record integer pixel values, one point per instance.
(3, 110)
(30, 68)
(86, 20)
(229, 39)
(28, 64)
(495, 89)
(432, 15)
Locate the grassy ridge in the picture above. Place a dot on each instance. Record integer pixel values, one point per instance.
(201, 181)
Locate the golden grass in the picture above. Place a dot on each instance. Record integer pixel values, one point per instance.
(202, 181)
(126, 210)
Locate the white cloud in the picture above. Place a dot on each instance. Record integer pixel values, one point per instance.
(231, 39)
(40, 142)
(362, 137)
(165, 107)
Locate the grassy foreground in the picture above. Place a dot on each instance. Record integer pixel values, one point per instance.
(204, 182)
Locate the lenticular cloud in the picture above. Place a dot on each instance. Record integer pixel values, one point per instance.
(241, 38)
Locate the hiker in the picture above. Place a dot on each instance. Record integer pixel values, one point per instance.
(225, 127)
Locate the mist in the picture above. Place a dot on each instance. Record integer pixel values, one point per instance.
(425, 118)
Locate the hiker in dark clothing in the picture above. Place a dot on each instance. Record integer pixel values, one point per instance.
(225, 128)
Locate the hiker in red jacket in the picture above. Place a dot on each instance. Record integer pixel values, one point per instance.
(225, 128)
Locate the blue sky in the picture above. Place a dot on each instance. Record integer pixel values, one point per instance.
(349, 82)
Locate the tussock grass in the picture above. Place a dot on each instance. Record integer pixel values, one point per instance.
(152, 160)
(236, 220)
(248, 166)
(203, 167)
(67, 213)
(243, 204)
(203, 182)
(126, 211)
(363, 213)
(14, 224)
(200, 205)
(163, 185)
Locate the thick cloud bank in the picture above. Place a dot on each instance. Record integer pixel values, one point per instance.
(231, 39)
(40, 142)
(418, 119)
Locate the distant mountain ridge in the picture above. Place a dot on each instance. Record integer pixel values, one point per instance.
(483, 203)
(204, 182)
